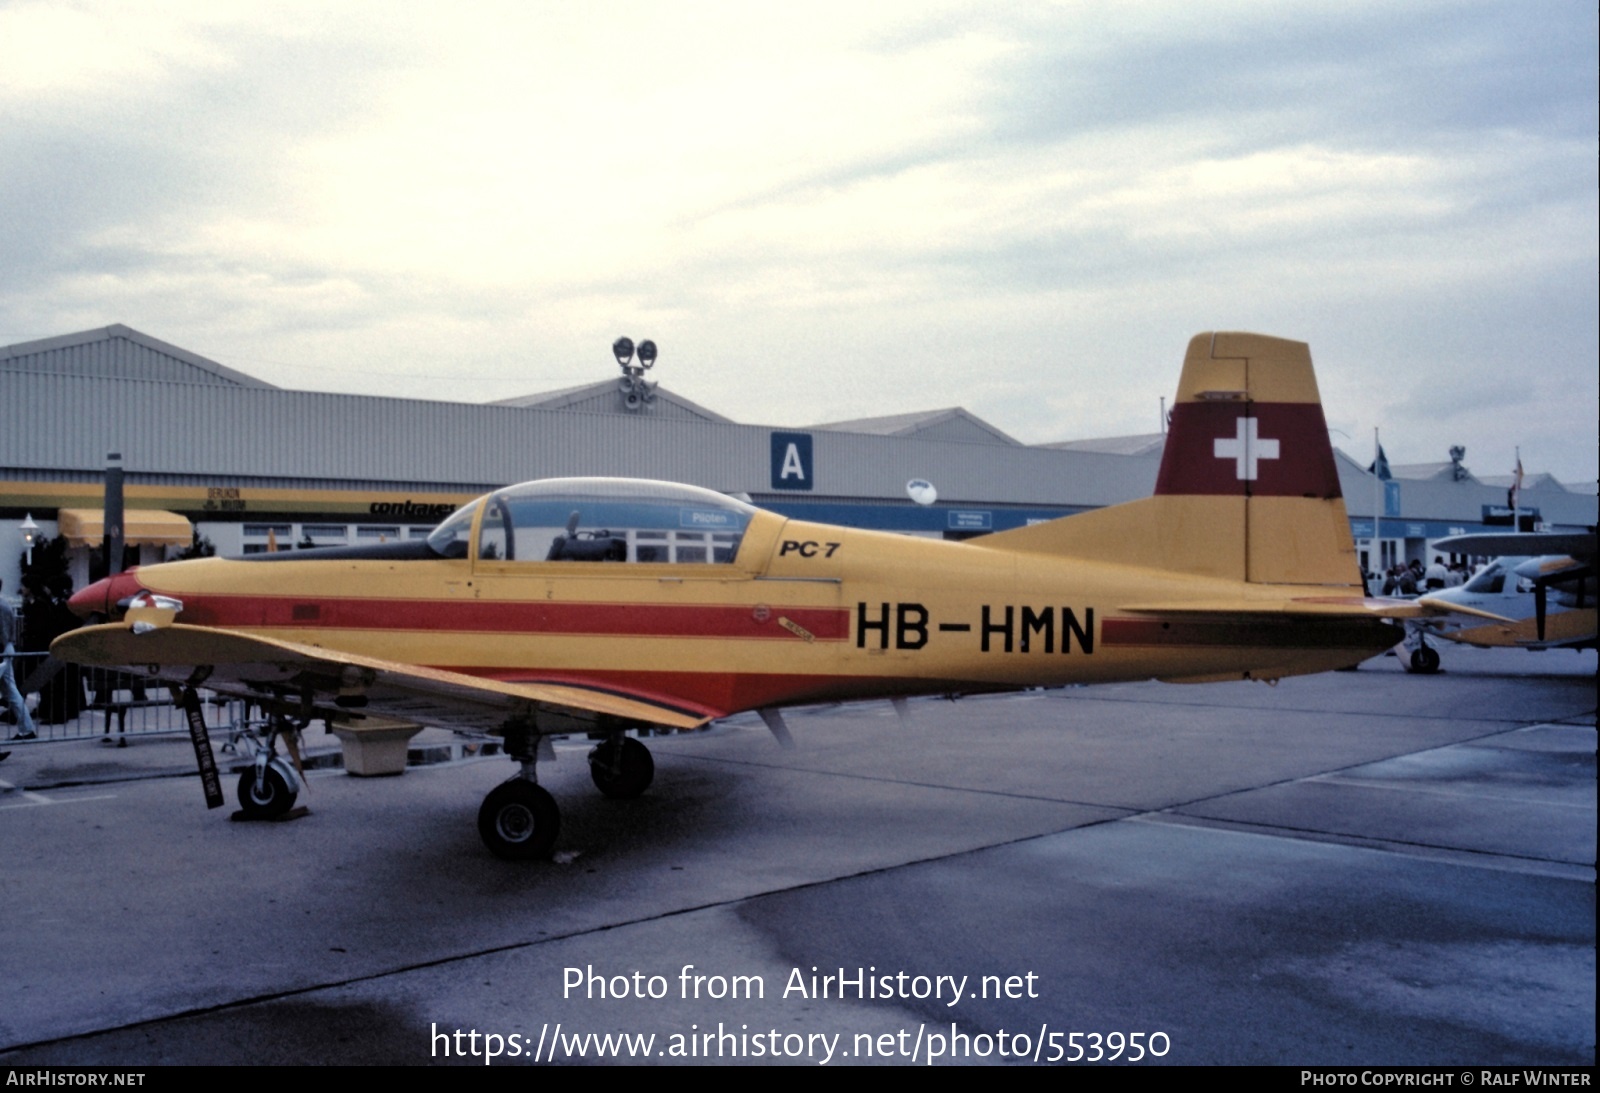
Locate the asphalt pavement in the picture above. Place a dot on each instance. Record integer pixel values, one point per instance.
(1358, 868)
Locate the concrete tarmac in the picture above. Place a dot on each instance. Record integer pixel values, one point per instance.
(1350, 869)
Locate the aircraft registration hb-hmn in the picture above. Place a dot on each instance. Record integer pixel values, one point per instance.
(606, 605)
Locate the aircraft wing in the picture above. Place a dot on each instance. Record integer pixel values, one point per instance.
(1580, 545)
(325, 683)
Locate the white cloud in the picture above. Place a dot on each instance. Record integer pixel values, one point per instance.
(820, 212)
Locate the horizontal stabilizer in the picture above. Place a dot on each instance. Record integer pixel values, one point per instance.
(1311, 606)
(1446, 607)
(1351, 607)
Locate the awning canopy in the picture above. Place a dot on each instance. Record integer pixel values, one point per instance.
(87, 527)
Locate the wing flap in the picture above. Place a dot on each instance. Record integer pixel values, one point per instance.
(342, 685)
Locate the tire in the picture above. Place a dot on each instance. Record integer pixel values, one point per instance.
(273, 798)
(519, 821)
(1425, 660)
(622, 772)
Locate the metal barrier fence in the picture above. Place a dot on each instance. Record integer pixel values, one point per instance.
(76, 703)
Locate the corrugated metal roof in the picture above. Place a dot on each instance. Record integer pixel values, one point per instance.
(1529, 481)
(951, 423)
(69, 423)
(120, 352)
(1418, 472)
(606, 397)
(1142, 444)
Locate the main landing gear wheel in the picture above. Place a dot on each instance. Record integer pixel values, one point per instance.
(519, 821)
(270, 799)
(1425, 660)
(622, 769)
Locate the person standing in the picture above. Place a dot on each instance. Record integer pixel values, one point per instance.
(1436, 576)
(8, 679)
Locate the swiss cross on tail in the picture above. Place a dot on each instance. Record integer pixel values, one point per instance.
(1246, 449)
(1263, 449)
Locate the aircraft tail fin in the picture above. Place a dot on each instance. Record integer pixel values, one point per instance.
(1247, 489)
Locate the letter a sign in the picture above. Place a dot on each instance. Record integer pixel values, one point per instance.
(791, 461)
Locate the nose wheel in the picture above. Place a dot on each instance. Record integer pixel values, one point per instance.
(266, 797)
(268, 787)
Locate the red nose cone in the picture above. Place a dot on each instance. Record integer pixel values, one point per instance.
(101, 597)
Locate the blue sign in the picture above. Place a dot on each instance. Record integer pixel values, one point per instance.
(791, 461)
(971, 521)
(1391, 497)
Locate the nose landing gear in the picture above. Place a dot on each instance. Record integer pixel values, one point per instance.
(269, 786)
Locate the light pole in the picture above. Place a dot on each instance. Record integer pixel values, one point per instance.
(30, 535)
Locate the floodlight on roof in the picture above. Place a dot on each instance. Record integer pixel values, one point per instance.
(637, 392)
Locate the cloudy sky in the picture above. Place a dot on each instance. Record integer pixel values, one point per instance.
(825, 211)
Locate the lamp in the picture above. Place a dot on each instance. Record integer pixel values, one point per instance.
(30, 535)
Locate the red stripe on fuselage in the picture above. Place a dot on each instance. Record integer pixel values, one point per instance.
(1297, 463)
(643, 620)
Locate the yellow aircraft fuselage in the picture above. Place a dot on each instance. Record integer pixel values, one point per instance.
(806, 613)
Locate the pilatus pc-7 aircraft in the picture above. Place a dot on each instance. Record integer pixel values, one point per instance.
(602, 605)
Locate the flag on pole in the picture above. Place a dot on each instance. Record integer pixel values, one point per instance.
(1380, 466)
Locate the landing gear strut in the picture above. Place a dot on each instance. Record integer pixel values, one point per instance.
(268, 787)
